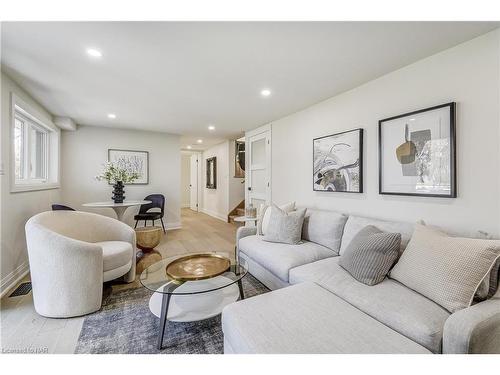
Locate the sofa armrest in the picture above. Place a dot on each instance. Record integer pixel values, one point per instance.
(475, 329)
(241, 233)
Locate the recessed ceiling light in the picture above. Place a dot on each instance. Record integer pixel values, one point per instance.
(111, 115)
(265, 92)
(412, 119)
(94, 52)
(211, 127)
(188, 147)
(200, 141)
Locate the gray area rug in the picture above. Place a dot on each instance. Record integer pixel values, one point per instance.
(125, 325)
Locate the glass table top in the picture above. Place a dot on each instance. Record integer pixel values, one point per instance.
(155, 278)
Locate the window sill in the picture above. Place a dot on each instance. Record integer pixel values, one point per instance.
(24, 188)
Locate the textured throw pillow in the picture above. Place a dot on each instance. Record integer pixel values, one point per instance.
(265, 214)
(447, 270)
(371, 254)
(489, 285)
(494, 279)
(284, 227)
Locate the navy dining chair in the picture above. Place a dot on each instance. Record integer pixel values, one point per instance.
(157, 201)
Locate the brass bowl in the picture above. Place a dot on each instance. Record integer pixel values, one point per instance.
(197, 267)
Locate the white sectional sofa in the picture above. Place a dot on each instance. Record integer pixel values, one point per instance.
(321, 308)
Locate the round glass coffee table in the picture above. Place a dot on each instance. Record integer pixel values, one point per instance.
(186, 301)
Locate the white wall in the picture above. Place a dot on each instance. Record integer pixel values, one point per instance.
(85, 150)
(17, 208)
(230, 191)
(215, 201)
(467, 74)
(185, 179)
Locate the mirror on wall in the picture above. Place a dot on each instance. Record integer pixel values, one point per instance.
(212, 173)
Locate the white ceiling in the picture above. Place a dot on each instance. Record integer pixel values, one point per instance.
(179, 77)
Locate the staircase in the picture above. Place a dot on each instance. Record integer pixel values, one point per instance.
(237, 211)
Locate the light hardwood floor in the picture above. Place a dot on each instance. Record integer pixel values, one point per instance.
(23, 329)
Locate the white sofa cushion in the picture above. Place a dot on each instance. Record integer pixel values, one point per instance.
(355, 223)
(115, 254)
(279, 258)
(306, 318)
(390, 302)
(324, 228)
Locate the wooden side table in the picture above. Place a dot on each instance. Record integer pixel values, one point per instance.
(148, 238)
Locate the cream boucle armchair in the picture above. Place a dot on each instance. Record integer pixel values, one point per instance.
(71, 254)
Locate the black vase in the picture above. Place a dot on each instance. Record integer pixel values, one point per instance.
(118, 196)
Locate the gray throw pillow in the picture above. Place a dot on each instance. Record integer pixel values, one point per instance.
(284, 227)
(371, 254)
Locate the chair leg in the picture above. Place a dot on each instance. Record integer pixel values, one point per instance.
(163, 226)
(145, 223)
(135, 226)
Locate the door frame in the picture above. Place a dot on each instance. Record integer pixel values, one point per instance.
(198, 182)
(248, 135)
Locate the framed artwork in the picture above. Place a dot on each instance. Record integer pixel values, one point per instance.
(133, 161)
(239, 159)
(338, 162)
(417, 153)
(212, 173)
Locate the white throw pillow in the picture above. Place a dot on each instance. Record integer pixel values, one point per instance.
(285, 227)
(489, 285)
(447, 270)
(265, 215)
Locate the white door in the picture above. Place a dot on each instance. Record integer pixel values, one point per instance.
(193, 185)
(258, 170)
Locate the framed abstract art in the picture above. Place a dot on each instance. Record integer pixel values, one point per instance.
(338, 162)
(417, 153)
(133, 161)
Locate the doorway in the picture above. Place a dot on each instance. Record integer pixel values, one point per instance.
(190, 180)
(258, 167)
(195, 182)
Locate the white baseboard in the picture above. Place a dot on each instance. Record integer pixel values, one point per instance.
(11, 280)
(215, 214)
(186, 205)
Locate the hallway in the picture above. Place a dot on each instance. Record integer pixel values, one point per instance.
(199, 233)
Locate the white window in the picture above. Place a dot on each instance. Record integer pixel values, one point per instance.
(35, 151)
(31, 150)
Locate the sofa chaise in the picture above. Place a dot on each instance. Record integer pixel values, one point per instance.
(318, 307)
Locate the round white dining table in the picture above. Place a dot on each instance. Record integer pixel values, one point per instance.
(119, 208)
